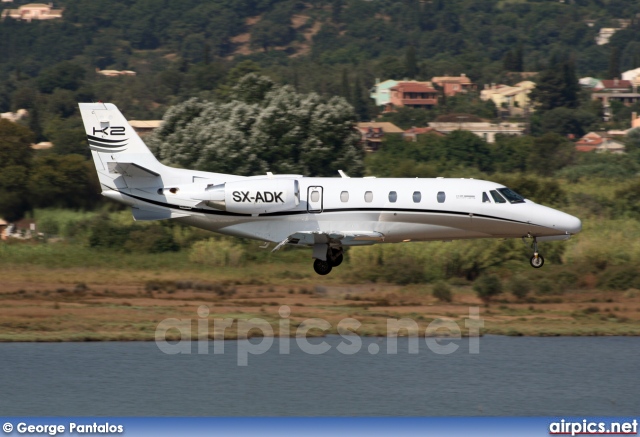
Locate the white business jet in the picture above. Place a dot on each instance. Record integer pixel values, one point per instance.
(326, 214)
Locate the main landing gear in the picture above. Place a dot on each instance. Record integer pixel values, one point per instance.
(335, 256)
(536, 260)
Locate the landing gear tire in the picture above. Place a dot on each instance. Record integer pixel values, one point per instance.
(335, 256)
(536, 261)
(322, 267)
(337, 260)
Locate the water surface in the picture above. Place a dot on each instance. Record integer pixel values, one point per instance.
(510, 376)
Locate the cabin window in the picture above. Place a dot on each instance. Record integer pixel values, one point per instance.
(393, 196)
(368, 196)
(485, 198)
(344, 196)
(417, 197)
(511, 195)
(315, 196)
(496, 197)
(441, 197)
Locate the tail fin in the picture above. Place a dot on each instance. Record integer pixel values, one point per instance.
(115, 147)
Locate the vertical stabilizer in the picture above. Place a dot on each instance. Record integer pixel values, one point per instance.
(115, 145)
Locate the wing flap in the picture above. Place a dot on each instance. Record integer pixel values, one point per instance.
(344, 238)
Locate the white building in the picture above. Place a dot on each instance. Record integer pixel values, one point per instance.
(15, 116)
(605, 35)
(33, 11)
(484, 129)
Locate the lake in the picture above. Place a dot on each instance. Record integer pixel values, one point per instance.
(510, 376)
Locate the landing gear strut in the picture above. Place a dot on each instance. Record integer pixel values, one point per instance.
(536, 260)
(335, 256)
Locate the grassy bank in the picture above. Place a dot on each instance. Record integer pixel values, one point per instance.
(46, 296)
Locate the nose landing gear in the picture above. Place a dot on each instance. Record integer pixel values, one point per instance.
(536, 260)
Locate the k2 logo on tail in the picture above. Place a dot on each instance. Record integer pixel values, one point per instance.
(114, 130)
(260, 196)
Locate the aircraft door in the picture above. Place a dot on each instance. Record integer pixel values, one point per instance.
(314, 199)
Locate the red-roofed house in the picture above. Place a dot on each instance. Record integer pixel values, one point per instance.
(413, 95)
(372, 132)
(598, 142)
(615, 86)
(622, 91)
(452, 85)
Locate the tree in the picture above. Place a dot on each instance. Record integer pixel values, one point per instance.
(65, 75)
(632, 141)
(345, 86)
(565, 121)
(466, 149)
(264, 127)
(266, 34)
(550, 153)
(336, 11)
(518, 62)
(16, 152)
(359, 103)
(63, 181)
(410, 62)
(510, 153)
(513, 60)
(68, 136)
(614, 64)
(508, 61)
(571, 85)
(557, 86)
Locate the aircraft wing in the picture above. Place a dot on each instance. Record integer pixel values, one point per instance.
(344, 238)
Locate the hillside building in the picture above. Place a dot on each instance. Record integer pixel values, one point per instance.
(482, 128)
(33, 11)
(452, 85)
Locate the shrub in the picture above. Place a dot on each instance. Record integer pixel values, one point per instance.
(519, 287)
(545, 287)
(487, 287)
(620, 279)
(219, 253)
(151, 239)
(442, 292)
(404, 270)
(568, 280)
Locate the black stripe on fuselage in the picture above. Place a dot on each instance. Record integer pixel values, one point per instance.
(326, 211)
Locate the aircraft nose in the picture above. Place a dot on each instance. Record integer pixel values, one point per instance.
(573, 225)
(561, 221)
(569, 223)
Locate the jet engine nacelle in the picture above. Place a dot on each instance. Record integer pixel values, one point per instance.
(255, 196)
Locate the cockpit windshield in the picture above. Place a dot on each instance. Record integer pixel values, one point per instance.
(511, 195)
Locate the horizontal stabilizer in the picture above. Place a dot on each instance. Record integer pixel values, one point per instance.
(142, 215)
(131, 170)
